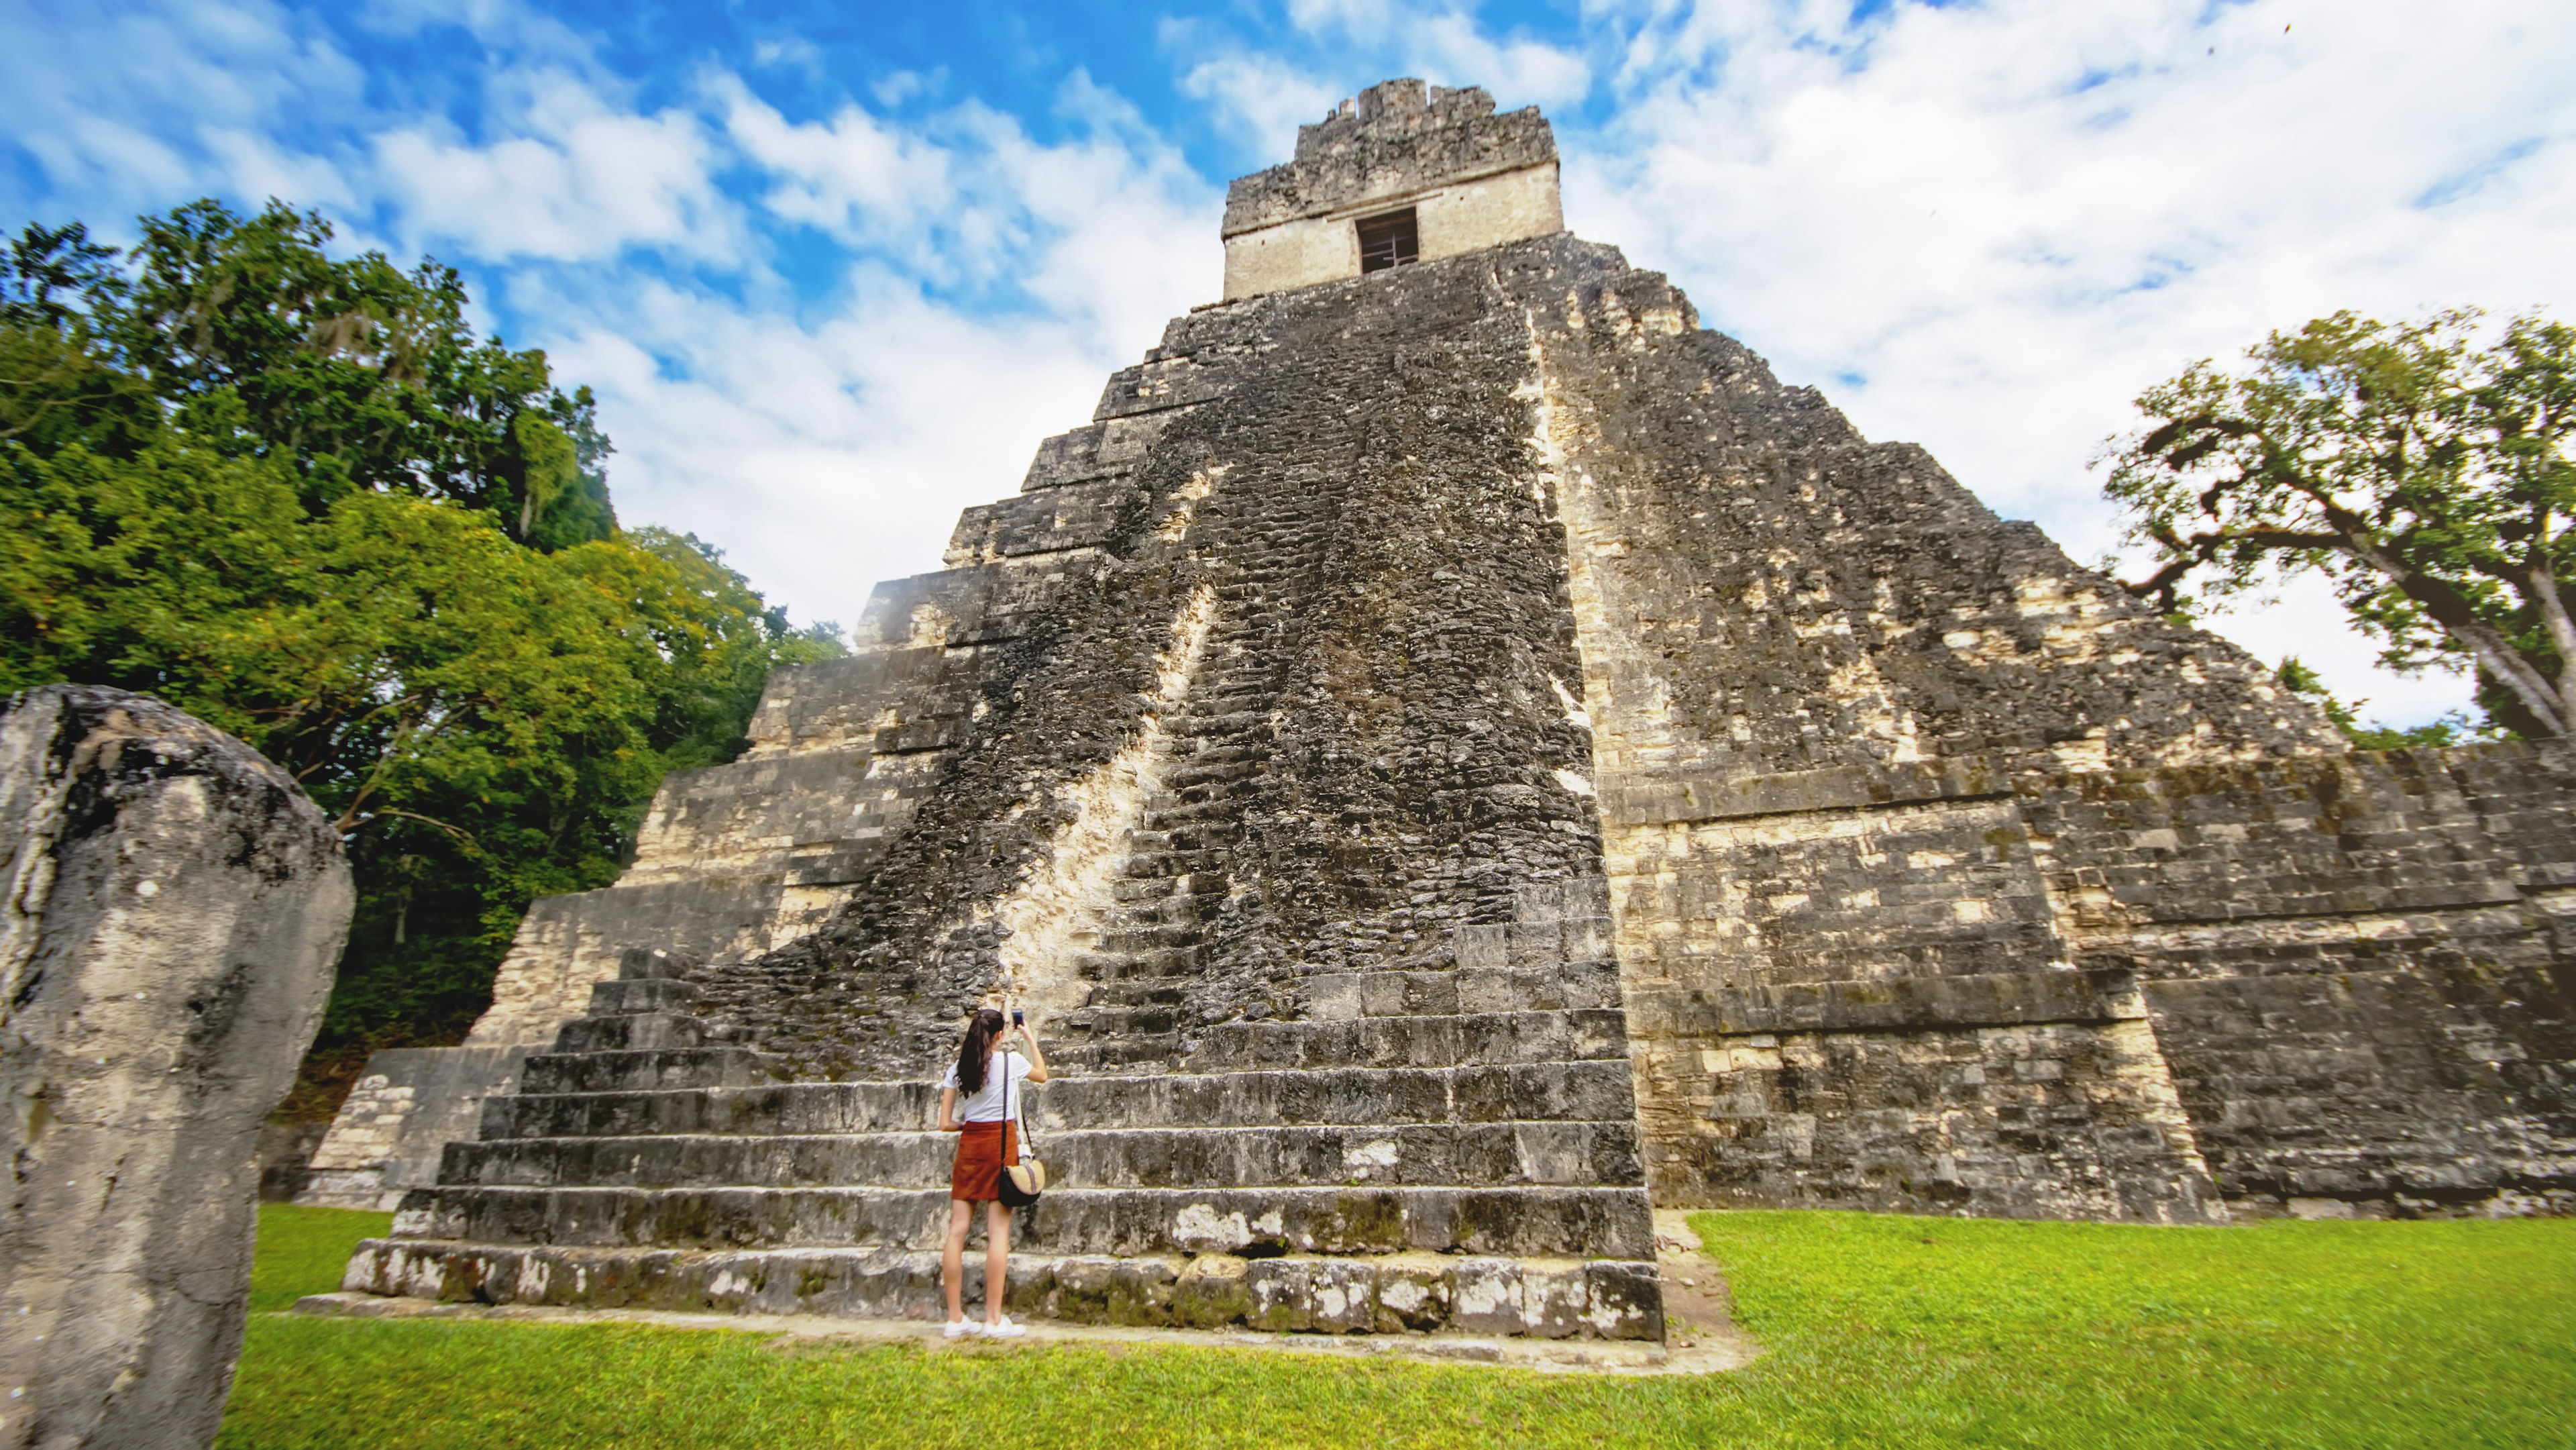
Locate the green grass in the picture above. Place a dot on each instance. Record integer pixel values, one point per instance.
(1881, 1331)
(303, 1250)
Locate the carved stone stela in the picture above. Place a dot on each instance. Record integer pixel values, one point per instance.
(175, 906)
(1454, 749)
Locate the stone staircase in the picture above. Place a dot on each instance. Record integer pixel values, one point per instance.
(1442, 1147)
(1313, 917)
(1176, 871)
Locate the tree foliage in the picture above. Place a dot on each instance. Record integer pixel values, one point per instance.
(294, 496)
(2423, 467)
(353, 374)
(2345, 715)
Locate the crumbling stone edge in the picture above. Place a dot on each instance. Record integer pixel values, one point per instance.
(1702, 1354)
(1378, 1294)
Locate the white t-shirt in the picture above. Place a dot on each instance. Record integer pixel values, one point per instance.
(989, 1106)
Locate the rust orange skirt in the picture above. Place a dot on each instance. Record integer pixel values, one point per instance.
(982, 1150)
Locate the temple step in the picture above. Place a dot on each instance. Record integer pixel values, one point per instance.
(578, 1072)
(649, 994)
(1482, 1093)
(631, 1032)
(1389, 1294)
(1492, 1037)
(1517, 1221)
(1554, 987)
(1493, 1154)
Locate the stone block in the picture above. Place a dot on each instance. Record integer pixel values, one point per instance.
(1212, 1291)
(1623, 1300)
(1413, 1294)
(1531, 944)
(1344, 1295)
(1487, 947)
(1334, 997)
(1487, 1296)
(1279, 1295)
(1556, 1300)
(1100, 1290)
(165, 951)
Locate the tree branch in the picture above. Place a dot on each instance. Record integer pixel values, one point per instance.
(2457, 614)
(350, 821)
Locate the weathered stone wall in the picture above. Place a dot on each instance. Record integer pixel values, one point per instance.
(731, 861)
(1375, 740)
(1951, 877)
(175, 908)
(2321, 983)
(408, 1104)
(1475, 180)
(2357, 966)
(1813, 667)
(1395, 137)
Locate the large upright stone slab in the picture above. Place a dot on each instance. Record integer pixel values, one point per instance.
(175, 909)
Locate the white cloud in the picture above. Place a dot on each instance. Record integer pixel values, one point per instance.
(525, 35)
(854, 176)
(574, 178)
(1130, 232)
(1260, 100)
(793, 51)
(137, 106)
(1987, 228)
(824, 457)
(254, 164)
(1449, 49)
(897, 87)
(1349, 17)
(829, 449)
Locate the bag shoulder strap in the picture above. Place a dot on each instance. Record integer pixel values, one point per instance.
(1011, 1103)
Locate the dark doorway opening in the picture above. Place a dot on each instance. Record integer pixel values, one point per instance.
(1389, 241)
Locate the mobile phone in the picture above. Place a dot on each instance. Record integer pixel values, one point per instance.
(1019, 1018)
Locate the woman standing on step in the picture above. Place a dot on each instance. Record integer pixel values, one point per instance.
(975, 1101)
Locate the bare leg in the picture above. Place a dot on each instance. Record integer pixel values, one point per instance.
(997, 1258)
(952, 1261)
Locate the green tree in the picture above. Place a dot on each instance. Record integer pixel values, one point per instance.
(57, 385)
(2423, 467)
(2298, 679)
(295, 498)
(354, 373)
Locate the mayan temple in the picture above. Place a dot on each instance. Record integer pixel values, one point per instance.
(1456, 756)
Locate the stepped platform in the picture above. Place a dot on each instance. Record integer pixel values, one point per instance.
(1383, 1172)
(1443, 747)
(1244, 748)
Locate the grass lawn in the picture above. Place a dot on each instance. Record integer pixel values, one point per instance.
(1881, 1330)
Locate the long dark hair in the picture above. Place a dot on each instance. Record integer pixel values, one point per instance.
(981, 1029)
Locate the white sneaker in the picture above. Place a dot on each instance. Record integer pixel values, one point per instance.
(1003, 1330)
(955, 1329)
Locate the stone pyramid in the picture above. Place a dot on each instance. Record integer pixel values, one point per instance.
(1451, 744)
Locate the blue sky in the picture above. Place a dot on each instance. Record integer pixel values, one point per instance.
(835, 269)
